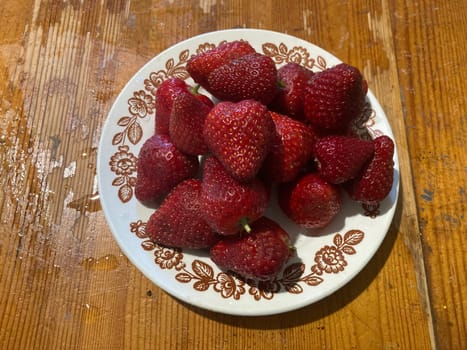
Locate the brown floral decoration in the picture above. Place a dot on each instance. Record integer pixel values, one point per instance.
(370, 125)
(330, 259)
(123, 164)
(297, 54)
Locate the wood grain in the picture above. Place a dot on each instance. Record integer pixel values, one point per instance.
(431, 72)
(64, 283)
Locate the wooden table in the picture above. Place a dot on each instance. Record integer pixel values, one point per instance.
(65, 284)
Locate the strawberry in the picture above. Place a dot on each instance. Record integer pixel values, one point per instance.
(292, 78)
(340, 158)
(230, 206)
(290, 151)
(202, 64)
(334, 97)
(260, 254)
(165, 96)
(252, 76)
(310, 201)
(160, 167)
(164, 101)
(178, 222)
(187, 122)
(240, 136)
(375, 180)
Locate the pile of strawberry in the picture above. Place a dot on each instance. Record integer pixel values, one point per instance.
(212, 164)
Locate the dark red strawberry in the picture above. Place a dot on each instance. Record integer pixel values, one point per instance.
(375, 180)
(165, 96)
(292, 78)
(252, 76)
(230, 206)
(291, 149)
(187, 123)
(334, 97)
(164, 101)
(260, 254)
(202, 64)
(310, 201)
(340, 158)
(160, 167)
(178, 222)
(240, 136)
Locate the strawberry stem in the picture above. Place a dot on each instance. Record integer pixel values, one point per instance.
(195, 89)
(244, 224)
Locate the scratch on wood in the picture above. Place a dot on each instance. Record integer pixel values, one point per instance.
(306, 26)
(427, 195)
(206, 5)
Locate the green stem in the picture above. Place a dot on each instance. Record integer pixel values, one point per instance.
(244, 224)
(195, 89)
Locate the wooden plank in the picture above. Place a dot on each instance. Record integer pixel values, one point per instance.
(432, 70)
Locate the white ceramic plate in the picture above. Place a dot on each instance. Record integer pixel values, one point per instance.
(323, 264)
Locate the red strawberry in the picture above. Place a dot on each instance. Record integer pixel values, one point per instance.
(290, 151)
(160, 167)
(334, 98)
(178, 222)
(240, 136)
(260, 254)
(228, 205)
(164, 101)
(252, 76)
(310, 201)
(165, 96)
(340, 158)
(187, 122)
(375, 181)
(293, 78)
(202, 64)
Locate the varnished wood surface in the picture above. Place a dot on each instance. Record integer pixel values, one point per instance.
(64, 283)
